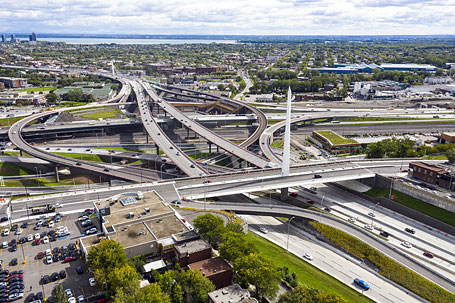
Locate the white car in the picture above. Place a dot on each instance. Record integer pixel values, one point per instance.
(49, 259)
(30, 238)
(406, 244)
(45, 240)
(69, 293)
(91, 281)
(80, 299)
(19, 231)
(72, 300)
(5, 244)
(48, 252)
(263, 230)
(6, 232)
(352, 220)
(37, 236)
(371, 215)
(51, 224)
(308, 256)
(369, 227)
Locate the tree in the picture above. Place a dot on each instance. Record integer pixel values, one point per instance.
(450, 153)
(260, 272)
(301, 294)
(234, 227)
(235, 246)
(210, 227)
(52, 98)
(59, 295)
(152, 294)
(103, 258)
(121, 277)
(220, 87)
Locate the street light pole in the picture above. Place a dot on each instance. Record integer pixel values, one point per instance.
(390, 191)
(287, 242)
(320, 215)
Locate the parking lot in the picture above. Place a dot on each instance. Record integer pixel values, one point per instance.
(34, 268)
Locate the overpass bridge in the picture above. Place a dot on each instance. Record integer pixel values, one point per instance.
(204, 132)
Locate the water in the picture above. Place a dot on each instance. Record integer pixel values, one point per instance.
(134, 41)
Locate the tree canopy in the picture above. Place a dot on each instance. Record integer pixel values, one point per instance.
(210, 227)
(301, 294)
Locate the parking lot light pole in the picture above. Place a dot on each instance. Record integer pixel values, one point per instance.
(23, 254)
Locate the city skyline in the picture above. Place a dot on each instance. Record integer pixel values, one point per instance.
(271, 17)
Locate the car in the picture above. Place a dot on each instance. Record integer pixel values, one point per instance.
(406, 244)
(384, 234)
(4, 219)
(30, 237)
(80, 299)
(55, 250)
(294, 194)
(15, 296)
(51, 224)
(86, 223)
(78, 163)
(316, 176)
(31, 297)
(40, 255)
(13, 262)
(371, 215)
(13, 248)
(19, 231)
(352, 220)
(5, 244)
(92, 282)
(22, 240)
(14, 227)
(91, 231)
(83, 218)
(263, 230)
(369, 227)
(15, 276)
(15, 280)
(79, 270)
(45, 240)
(308, 256)
(17, 272)
(327, 209)
(37, 236)
(410, 230)
(62, 274)
(69, 259)
(72, 246)
(72, 300)
(362, 284)
(37, 226)
(37, 242)
(69, 293)
(55, 258)
(428, 254)
(6, 232)
(49, 260)
(24, 224)
(39, 296)
(54, 276)
(46, 279)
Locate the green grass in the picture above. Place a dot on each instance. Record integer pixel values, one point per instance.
(416, 204)
(355, 119)
(9, 121)
(198, 155)
(104, 112)
(334, 138)
(38, 89)
(71, 104)
(307, 275)
(435, 157)
(277, 144)
(10, 169)
(83, 157)
(274, 121)
(387, 266)
(39, 182)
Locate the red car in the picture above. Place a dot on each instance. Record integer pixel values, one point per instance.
(40, 255)
(428, 254)
(294, 194)
(69, 259)
(16, 276)
(37, 241)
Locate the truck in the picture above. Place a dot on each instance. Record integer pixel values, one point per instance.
(42, 209)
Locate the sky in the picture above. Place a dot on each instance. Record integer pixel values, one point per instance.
(229, 17)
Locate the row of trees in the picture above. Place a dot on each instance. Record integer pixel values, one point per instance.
(78, 96)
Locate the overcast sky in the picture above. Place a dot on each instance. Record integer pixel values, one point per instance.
(248, 17)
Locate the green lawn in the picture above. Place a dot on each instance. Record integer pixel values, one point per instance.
(411, 202)
(10, 169)
(9, 121)
(355, 119)
(198, 155)
(274, 121)
(38, 89)
(277, 144)
(334, 138)
(307, 275)
(104, 112)
(39, 182)
(83, 157)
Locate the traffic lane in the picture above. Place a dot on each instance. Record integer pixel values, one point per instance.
(326, 260)
(343, 226)
(425, 238)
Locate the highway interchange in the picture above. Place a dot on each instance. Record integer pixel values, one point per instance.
(201, 184)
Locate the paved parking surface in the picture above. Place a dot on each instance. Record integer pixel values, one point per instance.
(34, 268)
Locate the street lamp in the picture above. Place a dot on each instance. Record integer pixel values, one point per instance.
(287, 242)
(320, 215)
(390, 191)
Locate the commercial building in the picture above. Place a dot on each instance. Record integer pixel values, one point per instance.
(231, 294)
(32, 37)
(216, 270)
(447, 137)
(10, 82)
(3, 38)
(99, 91)
(143, 224)
(434, 174)
(334, 142)
(192, 251)
(369, 68)
(13, 38)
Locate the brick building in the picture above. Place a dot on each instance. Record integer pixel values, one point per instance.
(13, 82)
(433, 174)
(231, 294)
(216, 270)
(193, 251)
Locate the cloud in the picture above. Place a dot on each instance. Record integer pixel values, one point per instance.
(297, 17)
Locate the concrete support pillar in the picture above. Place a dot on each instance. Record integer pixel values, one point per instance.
(157, 149)
(284, 194)
(110, 182)
(57, 178)
(187, 133)
(217, 149)
(210, 147)
(21, 153)
(147, 137)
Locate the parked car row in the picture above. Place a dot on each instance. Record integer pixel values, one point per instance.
(65, 253)
(11, 285)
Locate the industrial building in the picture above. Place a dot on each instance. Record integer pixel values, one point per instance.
(10, 82)
(433, 174)
(99, 91)
(334, 142)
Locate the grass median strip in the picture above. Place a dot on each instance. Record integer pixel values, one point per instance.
(307, 275)
(387, 267)
(416, 204)
(82, 157)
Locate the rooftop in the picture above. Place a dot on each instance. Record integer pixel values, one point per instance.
(231, 294)
(192, 247)
(210, 266)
